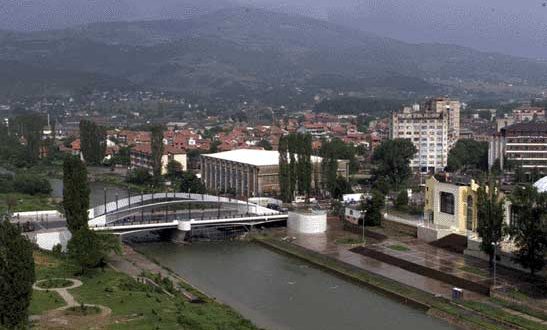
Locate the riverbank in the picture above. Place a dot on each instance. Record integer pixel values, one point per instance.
(134, 305)
(466, 315)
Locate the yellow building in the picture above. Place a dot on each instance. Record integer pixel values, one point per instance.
(451, 203)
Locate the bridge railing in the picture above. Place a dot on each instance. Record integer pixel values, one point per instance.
(136, 201)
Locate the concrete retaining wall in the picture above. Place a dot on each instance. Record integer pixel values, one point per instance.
(400, 227)
(38, 214)
(428, 234)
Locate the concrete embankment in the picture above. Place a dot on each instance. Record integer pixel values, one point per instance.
(435, 306)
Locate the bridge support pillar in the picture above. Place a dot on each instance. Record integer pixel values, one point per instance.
(183, 228)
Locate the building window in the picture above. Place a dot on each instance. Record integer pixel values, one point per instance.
(469, 221)
(447, 203)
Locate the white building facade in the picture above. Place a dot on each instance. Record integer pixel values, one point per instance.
(433, 129)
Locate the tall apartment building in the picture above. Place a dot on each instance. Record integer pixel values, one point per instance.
(524, 144)
(433, 129)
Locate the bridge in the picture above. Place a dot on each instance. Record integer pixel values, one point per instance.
(181, 211)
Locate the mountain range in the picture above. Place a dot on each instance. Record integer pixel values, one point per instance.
(251, 53)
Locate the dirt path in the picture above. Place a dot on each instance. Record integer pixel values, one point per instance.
(58, 319)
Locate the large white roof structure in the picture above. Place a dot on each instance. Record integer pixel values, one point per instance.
(541, 184)
(253, 157)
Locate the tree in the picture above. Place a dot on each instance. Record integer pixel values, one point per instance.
(337, 149)
(122, 157)
(16, 276)
(284, 175)
(75, 194)
(468, 154)
(214, 146)
(157, 150)
(189, 182)
(89, 250)
(304, 165)
(529, 228)
(92, 141)
(30, 128)
(373, 207)
(295, 165)
(139, 176)
(341, 187)
(490, 215)
(401, 202)
(174, 169)
(31, 184)
(392, 161)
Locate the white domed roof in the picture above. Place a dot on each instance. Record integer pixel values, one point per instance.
(541, 184)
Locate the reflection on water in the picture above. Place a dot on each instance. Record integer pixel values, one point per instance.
(278, 292)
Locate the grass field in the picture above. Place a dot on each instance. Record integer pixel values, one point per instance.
(134, 306)
(26, 203)
(398, 247)
(43, 301)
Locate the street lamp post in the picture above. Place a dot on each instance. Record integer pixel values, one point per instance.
(494, 244)
(363, 214)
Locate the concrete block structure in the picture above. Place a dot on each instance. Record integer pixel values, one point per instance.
(307, 222)
(250, 172)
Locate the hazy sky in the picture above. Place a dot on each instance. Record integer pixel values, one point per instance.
(516, 27)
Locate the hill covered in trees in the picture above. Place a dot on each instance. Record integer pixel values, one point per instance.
(247, 53)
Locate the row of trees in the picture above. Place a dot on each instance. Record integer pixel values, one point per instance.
(26, 128)
(528, 230)
(295, 166)
(25, 184)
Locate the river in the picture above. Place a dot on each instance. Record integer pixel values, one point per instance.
(278, 292)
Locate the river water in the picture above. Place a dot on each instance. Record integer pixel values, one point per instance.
(278, 292)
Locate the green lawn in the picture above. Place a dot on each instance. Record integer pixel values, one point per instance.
(497, 313)
(398, 247)
(43, 301)
(55, 283)
(348, 240)
(26, 203)
(134, 305)
(475, 270)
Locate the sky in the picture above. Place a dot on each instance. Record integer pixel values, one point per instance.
(516, 27)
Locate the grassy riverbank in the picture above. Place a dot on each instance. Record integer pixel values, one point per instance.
(26, 203)
(134, 305)
(468, 315)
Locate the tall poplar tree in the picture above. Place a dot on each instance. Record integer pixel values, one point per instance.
(75, 193)
(293, 163)
(157, 149)
(284, 176)
(92, 141)
(16, 276)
